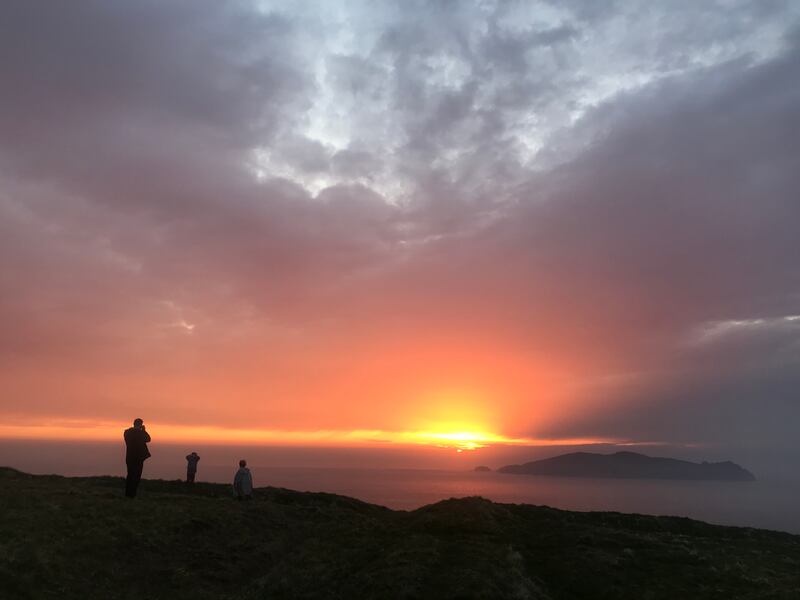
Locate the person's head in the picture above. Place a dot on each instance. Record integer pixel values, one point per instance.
(243, 463)
(138, 422)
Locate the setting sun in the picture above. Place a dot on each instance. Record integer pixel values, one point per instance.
(461, 440)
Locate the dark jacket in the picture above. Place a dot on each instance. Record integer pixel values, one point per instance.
(191, 462)
(136, 443)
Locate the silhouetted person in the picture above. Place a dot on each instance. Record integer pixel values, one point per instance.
(136, 439)
(243, 482)
(191, 466)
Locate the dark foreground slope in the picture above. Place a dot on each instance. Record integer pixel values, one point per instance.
(630, 465)
(79, 538)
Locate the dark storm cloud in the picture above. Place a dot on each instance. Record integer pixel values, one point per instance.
(136, 103)
(604, 184)
(684, 214)
(210, 64)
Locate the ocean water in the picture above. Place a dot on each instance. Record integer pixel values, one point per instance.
(770, 505)
(766, 503)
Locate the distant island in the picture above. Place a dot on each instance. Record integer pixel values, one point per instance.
(79, 537)
(482, 469)
(629, 465)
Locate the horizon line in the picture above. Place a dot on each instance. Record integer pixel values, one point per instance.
(458, 439)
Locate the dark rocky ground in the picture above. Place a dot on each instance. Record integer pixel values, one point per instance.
(80, 538)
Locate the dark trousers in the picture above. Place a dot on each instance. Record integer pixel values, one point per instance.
(134, 476)
(190, 476)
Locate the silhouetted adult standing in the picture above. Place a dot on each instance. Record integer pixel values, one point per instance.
(136, 439)
(191, 466)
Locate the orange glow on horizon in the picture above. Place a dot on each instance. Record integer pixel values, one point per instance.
(409, 389)
(456, 439)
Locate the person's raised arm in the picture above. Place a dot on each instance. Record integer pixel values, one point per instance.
(146, 436)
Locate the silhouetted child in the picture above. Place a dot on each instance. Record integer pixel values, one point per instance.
(191, 466)
(243, 482)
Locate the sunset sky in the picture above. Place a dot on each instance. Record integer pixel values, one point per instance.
(438, 223)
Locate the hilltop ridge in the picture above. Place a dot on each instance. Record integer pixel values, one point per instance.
(80, 538)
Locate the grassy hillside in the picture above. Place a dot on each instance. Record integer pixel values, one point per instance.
(80, 538)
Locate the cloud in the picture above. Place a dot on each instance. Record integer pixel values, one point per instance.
(348, 217)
